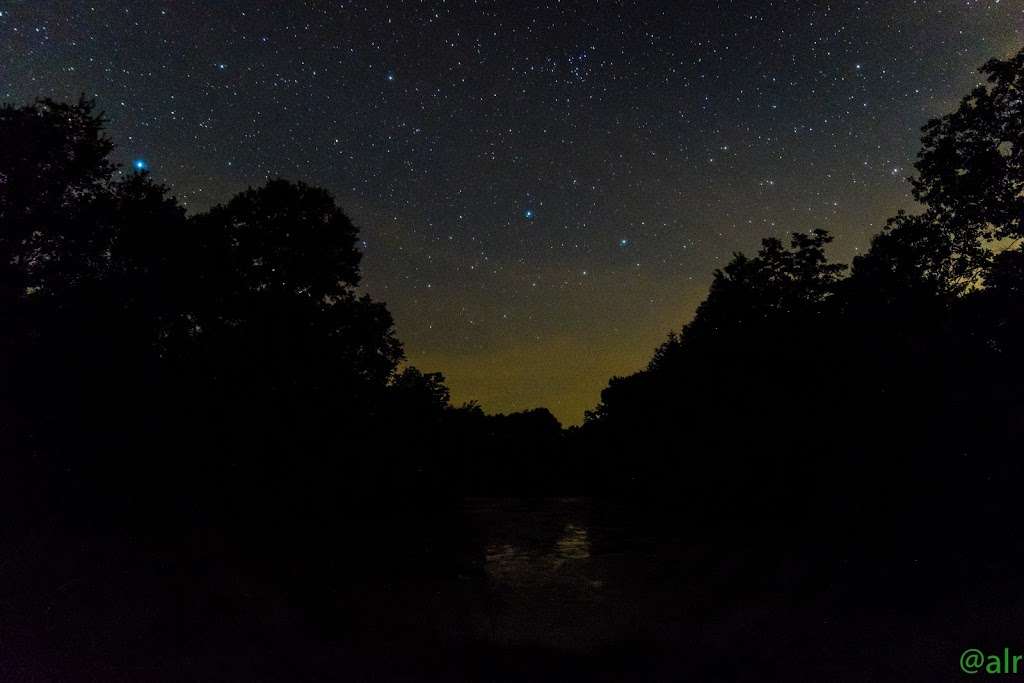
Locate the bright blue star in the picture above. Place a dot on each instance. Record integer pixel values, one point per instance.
(140, 165)
(624, 242)
(390, 76)
(528, 214)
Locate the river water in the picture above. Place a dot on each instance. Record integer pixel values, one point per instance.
(554, 584)
(544, 589)
(565, 573)
(587, 587)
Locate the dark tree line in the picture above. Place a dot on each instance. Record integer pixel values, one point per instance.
(880, 404)
(165, 369)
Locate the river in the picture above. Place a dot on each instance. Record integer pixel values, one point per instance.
(573, 587)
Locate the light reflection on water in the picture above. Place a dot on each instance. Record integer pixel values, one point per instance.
(506, 561)
(574, 545)
(564, 574)
(534, 541)
(545, 580)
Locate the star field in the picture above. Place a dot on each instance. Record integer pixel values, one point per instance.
(543, 188)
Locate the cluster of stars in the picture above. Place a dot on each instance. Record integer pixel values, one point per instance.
(538, 173)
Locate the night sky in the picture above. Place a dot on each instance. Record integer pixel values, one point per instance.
(543, 189)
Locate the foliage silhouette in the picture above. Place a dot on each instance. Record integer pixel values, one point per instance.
(168, 370)
(220, 376)
(876, 412)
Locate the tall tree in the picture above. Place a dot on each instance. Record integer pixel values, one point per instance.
(971, 164)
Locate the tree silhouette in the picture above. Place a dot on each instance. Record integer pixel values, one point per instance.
(55, 177)
(799, 395)
(971, 163)
(778, 283)
(162, 373)
(167, 361)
